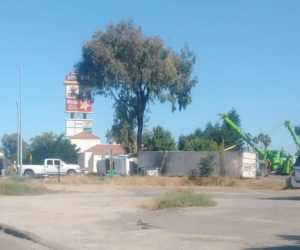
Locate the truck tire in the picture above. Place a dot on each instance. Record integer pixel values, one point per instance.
(71, 172)
(28, 173)
(288, 182)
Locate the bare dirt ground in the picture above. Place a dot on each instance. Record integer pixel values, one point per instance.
(112, 217)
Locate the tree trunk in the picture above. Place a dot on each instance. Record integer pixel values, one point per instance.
(142, 101)
(140, 125)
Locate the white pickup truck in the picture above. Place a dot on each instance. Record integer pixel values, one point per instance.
(50, 167)
(294, 179)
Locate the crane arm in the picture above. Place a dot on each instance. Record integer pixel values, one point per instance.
(246, 136)
(293, 133)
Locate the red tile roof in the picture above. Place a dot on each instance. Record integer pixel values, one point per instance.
(84, 135)
(104, 149)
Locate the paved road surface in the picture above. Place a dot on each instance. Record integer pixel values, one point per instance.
(8, 242)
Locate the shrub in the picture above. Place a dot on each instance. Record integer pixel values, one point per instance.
(205, 168)
(182, 198)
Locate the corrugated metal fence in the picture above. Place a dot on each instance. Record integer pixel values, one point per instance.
(180, 163)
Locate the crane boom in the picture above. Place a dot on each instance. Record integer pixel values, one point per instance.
(246, 136)
(276, 160)
(293, 133)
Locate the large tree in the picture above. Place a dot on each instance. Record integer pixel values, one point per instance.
(200, 144)
(49, 145)
(10, 146)
(134, 69)
(122, 130)
(159, 139)
(185, 138)
(213, 133)
(230, 136)
(210, 133)
(264, 139)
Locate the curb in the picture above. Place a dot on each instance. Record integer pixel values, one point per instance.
(21, 234)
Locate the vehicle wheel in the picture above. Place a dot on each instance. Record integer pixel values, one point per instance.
(288, 182)
(28, 173)
(71, 172)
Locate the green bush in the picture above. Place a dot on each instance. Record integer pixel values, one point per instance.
(205, 168)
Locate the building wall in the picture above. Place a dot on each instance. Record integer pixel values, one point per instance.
(84, 144)
(121, 164)
(84, 159)
(181, 163)
(96, 158)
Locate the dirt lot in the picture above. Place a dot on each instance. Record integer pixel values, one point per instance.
(112, 217)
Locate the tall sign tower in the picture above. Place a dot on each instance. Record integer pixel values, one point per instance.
(77, 108)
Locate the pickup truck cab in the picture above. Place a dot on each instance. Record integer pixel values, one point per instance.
(50, 167)
(294, 179)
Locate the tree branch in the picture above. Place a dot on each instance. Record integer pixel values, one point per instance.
(120, 99)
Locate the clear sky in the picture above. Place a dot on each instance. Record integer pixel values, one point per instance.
(248, 58)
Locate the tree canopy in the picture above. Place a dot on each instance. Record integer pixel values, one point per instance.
(159, 139)
(200, 144)
(213, 134)
(133, 69)
(49, 145)
(264, 139)
(10, 146)
(230, 136)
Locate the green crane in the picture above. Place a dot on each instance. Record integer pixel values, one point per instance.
(293, 133)
(246, 136)
(275, 160)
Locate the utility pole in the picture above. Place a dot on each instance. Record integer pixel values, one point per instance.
(20, 121)
(18, 136)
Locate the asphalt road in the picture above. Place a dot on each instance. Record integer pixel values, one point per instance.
(8, 242)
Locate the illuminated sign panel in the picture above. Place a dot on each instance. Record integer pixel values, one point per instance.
(76, 105)
(73, 103)
(72, 91)
(72, 76)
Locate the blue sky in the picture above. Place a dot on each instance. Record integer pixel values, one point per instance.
(248, 58)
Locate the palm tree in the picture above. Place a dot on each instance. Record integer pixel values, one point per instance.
(264, 139)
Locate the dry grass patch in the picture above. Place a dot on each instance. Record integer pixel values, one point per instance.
(164, 181)
(73, 179)
(120, 181)
(263, 183)
(181, 198)
(21, 186)
(148, 181)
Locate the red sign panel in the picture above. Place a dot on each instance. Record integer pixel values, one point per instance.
(76, 105)
(71, 77)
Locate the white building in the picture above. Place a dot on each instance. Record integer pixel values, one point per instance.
(122, 165)
(84, 141)
(90, 157)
